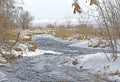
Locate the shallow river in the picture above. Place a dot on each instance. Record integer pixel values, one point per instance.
(49, 67)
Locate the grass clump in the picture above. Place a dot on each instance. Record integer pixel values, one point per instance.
(32, 47)
(63, 32)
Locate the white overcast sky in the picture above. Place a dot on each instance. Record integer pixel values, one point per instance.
(52, 8)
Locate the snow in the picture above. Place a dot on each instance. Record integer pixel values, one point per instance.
(99, 60)
(27, 37)
(26, 53)
(49, 36)
(99, 64)
(2, 77)
(93, 43)
(39, 52)
(82, 43)
(96, 63)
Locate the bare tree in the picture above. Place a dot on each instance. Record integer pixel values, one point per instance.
(109, 12)
(6, 12)
(9, 13)
(24, 19)
(108, 20)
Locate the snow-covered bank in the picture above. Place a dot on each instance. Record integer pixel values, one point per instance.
(98, 65)
(26, 53)
(39, 52)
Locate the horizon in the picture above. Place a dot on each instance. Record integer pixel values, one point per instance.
(57, 22)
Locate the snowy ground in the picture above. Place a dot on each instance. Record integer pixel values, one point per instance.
(53, 61)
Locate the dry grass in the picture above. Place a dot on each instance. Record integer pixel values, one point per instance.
(9, 40)
(10, 34)
(98, 78)
(18, 49)
(117, 72)
(86, 32)
(7, 45)
(63, 33)
(32, 47)
(9, 57)
(97, 45)
(83, 32)
(30, 34)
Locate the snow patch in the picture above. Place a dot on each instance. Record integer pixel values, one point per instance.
(2, 77)
(39, 52)
(99, 64)
(82, 43)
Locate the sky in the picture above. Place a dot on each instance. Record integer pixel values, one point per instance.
(57, 9)
(49, 8)
(52, 8)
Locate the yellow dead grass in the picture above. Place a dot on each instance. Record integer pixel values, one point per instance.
(10, 34)
(63, 33)
(32, 46)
